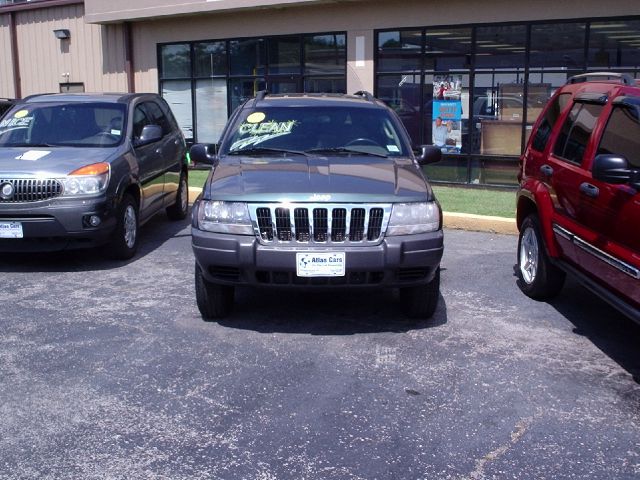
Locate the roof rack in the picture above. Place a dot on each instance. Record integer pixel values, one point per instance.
(366, 95)
(623, 78)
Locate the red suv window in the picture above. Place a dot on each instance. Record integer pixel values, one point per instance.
(621, 135)
(574, 136)
(551, 115)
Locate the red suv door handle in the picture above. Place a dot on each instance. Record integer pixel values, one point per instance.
(589, 190)
(546, 170)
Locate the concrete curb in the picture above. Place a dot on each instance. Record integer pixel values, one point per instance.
(459, 221)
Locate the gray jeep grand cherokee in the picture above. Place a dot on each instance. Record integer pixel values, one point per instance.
(316, 191)
(80, 170)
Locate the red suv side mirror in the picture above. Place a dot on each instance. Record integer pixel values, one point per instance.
(613, 169)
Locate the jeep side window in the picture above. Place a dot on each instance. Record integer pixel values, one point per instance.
(549, 120)
(622, 135)
(574, 136)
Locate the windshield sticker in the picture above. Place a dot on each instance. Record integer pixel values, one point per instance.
(115, 132)
(33, 155)
(19, 122)
(261, 132)
(256, 117)
(21, 114)
(393, 148)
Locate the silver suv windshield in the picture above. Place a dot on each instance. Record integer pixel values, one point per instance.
(315, 130)
(63, 124)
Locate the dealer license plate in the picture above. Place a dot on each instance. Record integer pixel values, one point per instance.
(320, 264)
(10, 230)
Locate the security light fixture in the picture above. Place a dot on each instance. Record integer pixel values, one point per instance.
(62, 34)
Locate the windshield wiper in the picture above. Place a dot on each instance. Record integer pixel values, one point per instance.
(265, 150)
(345, 150)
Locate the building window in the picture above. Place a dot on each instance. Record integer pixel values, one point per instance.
(205, 81)
(477, 90)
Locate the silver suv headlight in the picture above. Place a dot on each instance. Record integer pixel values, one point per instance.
(225, 217)
(89, 180)
(412, 218)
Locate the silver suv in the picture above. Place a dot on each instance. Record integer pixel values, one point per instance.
(82, 170)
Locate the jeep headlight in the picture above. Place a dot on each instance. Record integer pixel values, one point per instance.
(225, 217)
(88, 180)
(411, 218)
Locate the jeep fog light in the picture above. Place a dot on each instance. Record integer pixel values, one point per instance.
(411, 218)
(225, 217)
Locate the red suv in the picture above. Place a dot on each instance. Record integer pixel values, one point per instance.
(578, 205)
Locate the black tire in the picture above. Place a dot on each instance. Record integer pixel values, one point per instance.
(124, 242)
(179, 210)
(214, 300)
(421, 302)
(538, 278)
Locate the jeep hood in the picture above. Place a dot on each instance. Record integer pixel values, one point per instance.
(341, 178)
(50, 162)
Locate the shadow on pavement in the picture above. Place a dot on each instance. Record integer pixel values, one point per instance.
(613, 333)
(153, 234)
(324, 312)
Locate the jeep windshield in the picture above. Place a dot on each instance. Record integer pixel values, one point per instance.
(94, 125)
(315, 131)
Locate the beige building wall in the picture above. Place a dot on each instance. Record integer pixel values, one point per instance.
(7, 89)
(357, 18)
(93, 55)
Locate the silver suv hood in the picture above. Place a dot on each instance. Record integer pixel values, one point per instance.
(50, 162)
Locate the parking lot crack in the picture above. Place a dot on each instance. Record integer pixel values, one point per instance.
(518, 432)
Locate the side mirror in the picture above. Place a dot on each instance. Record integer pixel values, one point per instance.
(204, 153)
(612, 169)
(428, 154)
(150, 134)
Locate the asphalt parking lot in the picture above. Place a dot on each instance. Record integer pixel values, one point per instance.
(108, 372)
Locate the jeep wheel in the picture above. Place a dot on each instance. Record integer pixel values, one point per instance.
(420, 302)
(538, 278)
(124, 242)
(214, 300)
(179, 210)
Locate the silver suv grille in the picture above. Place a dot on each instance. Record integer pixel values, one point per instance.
(30, 189)
(306, 223)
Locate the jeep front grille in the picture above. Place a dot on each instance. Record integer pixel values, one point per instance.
(30, 189)
(320, 223)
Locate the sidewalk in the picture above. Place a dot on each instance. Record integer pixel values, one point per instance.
(458, 221)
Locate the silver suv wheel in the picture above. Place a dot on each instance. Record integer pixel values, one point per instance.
(130, 226)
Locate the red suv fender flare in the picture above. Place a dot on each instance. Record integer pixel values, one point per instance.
(533, 197)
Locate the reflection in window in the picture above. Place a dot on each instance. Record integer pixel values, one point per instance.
(558, 45)
(621, 135)
(211, 108)
(614, 44)
(402, 93)
(247, 57)
(325, 54)
(576, 131)
(210, 59)
(400, 51)
(243, 89)
(176, 61)
(334, 84)
(284, 55)
(498, 114)
(448, 49)
(177, 93)
(500, 46)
